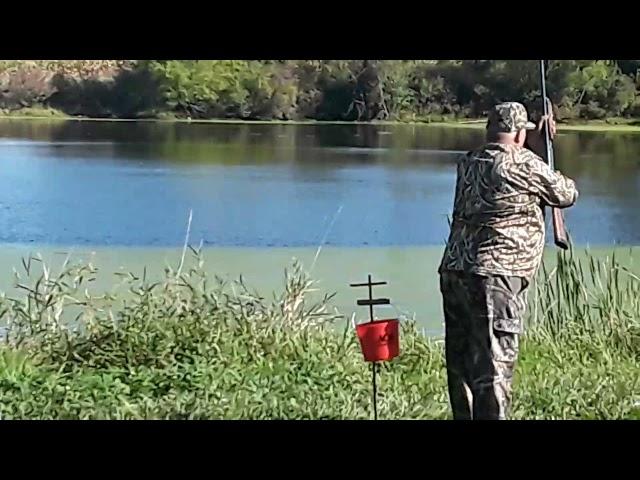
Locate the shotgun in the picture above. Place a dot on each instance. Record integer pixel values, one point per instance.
(557, 219)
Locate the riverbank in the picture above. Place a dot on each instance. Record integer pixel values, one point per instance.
(410, 270)
(182, 349)
(612, 125)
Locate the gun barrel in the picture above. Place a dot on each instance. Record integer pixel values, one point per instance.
(547, 110)
(559, 230)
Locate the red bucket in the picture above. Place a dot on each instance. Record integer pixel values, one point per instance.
(379, 340)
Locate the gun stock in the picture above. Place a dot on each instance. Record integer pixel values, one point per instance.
(560, 236)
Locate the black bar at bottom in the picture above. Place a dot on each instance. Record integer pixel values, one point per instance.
(375, 301)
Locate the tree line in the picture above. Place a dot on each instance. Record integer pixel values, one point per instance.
(347, 90)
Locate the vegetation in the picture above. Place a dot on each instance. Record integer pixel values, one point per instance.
(189, 346)
(364, 90)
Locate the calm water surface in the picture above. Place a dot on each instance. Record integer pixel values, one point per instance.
(133, 184)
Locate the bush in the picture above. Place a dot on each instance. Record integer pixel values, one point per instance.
(592, 111)
(23, 88)
(324, 90)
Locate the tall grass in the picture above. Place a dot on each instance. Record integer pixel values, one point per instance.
(582, 348)
(591, 299)
(191, 346)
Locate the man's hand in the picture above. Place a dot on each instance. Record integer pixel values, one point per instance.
(535, 138)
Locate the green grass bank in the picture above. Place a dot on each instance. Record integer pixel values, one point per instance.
(49, 114)
(191, 346)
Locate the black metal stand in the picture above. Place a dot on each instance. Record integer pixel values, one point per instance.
(371, 302)
(375, 391)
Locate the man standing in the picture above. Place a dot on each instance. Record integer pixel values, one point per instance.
(494, 250)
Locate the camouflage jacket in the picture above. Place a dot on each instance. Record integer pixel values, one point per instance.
(498, 224)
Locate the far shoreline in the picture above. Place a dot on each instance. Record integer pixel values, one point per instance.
(624, 125)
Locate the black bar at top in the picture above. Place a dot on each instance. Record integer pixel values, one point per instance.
(366, 284)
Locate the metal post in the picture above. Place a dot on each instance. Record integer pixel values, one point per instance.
(375, 391)
(370, 298)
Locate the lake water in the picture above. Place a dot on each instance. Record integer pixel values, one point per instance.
(376, 197)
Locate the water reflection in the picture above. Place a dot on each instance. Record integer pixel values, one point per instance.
(126, 183)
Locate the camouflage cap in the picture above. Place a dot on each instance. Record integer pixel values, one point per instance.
(509, 117)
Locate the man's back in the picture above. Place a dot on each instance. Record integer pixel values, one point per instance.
(498, 224)
(494, 248)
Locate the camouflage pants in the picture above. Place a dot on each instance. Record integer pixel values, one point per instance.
(483, 319)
